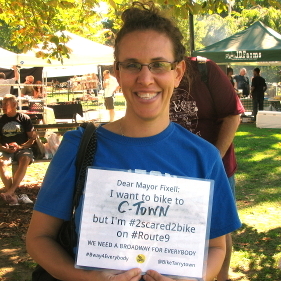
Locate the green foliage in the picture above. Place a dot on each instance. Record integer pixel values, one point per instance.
(269, 16)
(5, 37)
(36, 23)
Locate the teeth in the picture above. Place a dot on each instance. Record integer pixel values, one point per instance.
(147, 96)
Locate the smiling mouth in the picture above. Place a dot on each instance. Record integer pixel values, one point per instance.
(147, 96)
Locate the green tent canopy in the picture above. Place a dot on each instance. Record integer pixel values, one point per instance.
(258, 43)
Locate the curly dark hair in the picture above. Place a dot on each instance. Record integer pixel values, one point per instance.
(145, 16)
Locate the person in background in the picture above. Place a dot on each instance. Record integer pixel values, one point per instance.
(28, 90)
(149, 64)
(242, 82)
(94, 83)
(229, 73)
(38, 91)
(258, 88)
(110, 86)
(4, 88)
(16, 137)
(211, 110)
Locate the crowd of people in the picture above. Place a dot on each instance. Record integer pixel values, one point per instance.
(88, 82)
(253, 88)
(33, 89)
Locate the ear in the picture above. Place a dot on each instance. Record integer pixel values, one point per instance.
(179, 72)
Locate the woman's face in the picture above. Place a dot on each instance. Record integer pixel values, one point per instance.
(147, 94)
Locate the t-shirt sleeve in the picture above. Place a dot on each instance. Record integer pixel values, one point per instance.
(56, 194)
(27, 124)
(23, 91)
(228, 220)
(10, 81)
(224, 97)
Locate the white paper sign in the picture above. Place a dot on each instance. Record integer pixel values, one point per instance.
(147, 221)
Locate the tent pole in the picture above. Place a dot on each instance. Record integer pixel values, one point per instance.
(191, 32)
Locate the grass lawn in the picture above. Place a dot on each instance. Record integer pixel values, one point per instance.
(257, 245)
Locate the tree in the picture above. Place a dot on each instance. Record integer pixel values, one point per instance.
(35, 22)
(40, 23)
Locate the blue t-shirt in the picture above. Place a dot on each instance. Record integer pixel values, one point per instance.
(175, 151)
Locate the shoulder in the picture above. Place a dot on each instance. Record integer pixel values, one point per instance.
(214, 69)
(74, 136)
(22, 117)
(10, 81)
(112, 78)
(3, 118)
(182, 135)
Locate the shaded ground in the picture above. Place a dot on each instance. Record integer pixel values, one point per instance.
(16, 265)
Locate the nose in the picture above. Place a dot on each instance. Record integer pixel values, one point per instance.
(145, 77)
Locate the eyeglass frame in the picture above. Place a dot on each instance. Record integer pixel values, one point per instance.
(173, 65)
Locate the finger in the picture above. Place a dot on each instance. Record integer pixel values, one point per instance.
(132, 274)
(9, 198)
(152, 275)
(3, 195)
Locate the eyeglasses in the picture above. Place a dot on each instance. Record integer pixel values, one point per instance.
(156, 67)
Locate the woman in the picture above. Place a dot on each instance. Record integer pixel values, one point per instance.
(149, 65)
(229, 73)
(38, 91)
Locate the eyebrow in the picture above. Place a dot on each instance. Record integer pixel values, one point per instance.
(153, 59)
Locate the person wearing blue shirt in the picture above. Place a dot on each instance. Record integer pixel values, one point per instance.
(149, 64)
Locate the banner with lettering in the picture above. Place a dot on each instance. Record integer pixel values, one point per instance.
(147, 221)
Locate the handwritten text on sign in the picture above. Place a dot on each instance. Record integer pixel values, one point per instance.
(146, 221)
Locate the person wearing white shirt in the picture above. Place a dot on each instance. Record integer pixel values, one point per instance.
(110, 86)
(5, 87)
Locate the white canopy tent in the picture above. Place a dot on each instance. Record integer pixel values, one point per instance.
(7, 58)
(85, 56)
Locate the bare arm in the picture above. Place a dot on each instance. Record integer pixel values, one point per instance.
(31, 138)
(217, 249)
(16, 72)
(227, 132)
(105, 83)
(43, 248)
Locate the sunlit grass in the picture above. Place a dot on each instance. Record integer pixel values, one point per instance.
(257, 244)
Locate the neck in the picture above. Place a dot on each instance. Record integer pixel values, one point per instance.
(139, 128)
(11, 114)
